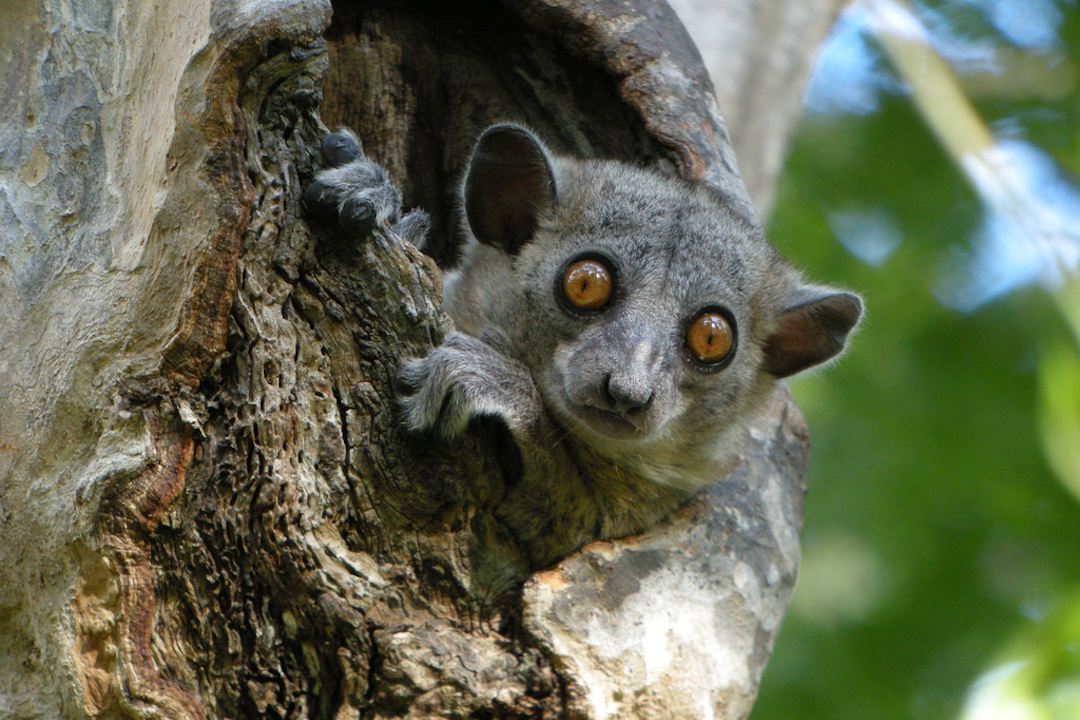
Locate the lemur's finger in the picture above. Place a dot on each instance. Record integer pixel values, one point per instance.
(357, 216)
(321, 201)
(340, 149)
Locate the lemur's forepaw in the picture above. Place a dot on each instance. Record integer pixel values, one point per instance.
(461, 379)
(433, 389)
(356, 194)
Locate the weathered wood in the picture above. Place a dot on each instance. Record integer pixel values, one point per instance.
(207, 505)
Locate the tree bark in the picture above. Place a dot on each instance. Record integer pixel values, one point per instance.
(208, 507)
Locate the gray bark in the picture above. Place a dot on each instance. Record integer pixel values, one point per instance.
(207, 505)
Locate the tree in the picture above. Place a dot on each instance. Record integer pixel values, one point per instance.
(207, 505)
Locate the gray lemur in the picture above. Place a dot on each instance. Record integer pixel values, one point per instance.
(623, 325)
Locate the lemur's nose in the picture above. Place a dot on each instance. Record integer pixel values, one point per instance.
(626, 396)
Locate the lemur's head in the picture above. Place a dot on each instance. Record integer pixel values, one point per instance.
(648, 311)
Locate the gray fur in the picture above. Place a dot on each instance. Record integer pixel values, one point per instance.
(357, 193)
(615, 423)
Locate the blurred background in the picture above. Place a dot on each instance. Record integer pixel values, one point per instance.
(934, 171)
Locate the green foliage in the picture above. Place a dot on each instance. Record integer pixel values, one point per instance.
(940, 543)
(1059, 410)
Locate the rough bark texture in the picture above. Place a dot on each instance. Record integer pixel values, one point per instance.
(207, 505)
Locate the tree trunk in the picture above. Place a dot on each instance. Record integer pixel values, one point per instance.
(207, 505)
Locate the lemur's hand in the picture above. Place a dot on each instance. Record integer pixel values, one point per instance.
(355, 194)
(463, 378)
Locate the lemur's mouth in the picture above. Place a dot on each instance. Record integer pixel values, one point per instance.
(608, 423)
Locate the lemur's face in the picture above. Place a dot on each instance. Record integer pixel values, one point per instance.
(649, 313)
(638, 311)
(636, 357)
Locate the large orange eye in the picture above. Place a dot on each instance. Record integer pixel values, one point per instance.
(710, 338)
(587, 285)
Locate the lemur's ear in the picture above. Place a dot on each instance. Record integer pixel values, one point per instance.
(508, 183)
(811, 330)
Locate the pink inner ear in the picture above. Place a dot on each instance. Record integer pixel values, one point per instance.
(810, 334)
